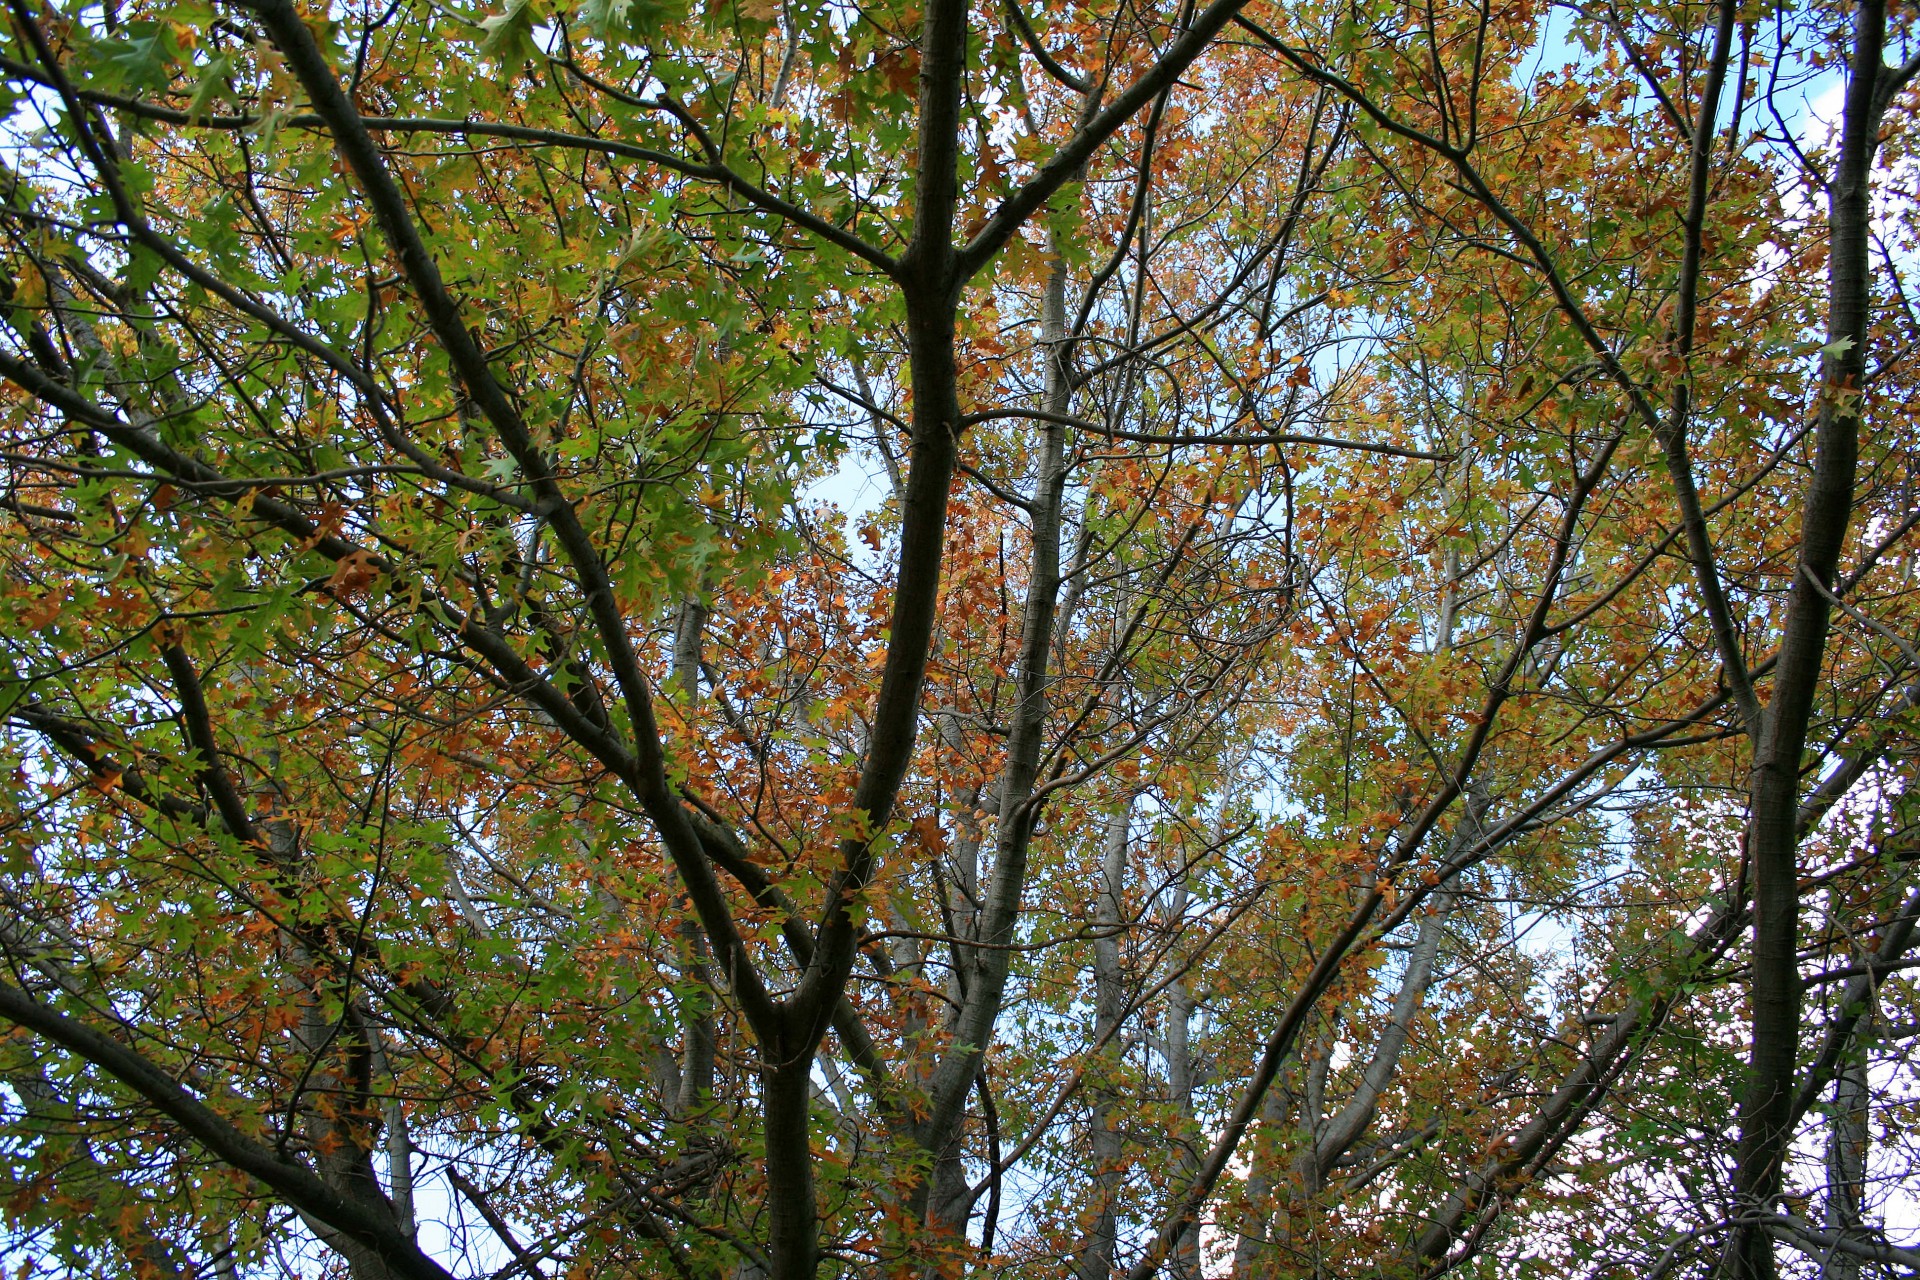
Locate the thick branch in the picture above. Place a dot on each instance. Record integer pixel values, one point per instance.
(368, 1225)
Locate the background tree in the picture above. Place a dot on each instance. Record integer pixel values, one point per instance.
(1394, 554)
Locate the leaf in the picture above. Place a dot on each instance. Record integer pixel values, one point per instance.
(142, 56)
(607, 19)
(509, 35)
(212, 81)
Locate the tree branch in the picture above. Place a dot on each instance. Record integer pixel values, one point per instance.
(368, 1225)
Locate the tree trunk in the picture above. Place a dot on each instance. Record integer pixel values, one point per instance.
(1847, 1164)
(1104, 1143)
(1184, 1262)
(1774, 796)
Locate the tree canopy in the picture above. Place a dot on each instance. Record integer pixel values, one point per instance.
(784, 639)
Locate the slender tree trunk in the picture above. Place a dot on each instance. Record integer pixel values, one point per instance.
(1847, 1164)
(1339, 1134)
(1774, 797)
(1252, 1253)
(334, 1132)
(1104, 1142)
(986, 968)
(1184, 1262)
(692, 1076)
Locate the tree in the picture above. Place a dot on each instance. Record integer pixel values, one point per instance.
(1362, 483)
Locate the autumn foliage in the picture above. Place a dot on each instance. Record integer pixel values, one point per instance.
(768, 639)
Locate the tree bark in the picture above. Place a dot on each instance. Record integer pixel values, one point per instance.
(1104, 1143)
(1847, 1164)
(1774, 793)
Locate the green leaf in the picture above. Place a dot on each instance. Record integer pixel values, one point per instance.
(212, 81)
(509, 35)
(606, 18)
